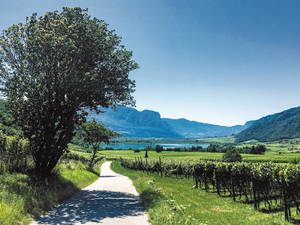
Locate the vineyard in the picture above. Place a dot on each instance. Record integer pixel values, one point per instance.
(274, 185)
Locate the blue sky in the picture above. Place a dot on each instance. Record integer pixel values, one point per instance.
(217, 61)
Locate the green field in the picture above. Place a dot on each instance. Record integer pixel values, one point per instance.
(194, 156)
(221, 140)
(280, 151)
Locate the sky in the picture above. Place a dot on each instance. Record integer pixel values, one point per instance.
(216, 61)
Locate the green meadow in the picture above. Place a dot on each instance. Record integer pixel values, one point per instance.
(270, 155)
(280, 151)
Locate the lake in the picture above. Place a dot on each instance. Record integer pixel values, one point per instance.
(142, 146)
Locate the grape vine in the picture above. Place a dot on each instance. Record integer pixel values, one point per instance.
(271, 184)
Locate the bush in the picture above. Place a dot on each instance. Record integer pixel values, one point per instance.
(148, 148)
(260, 149)
(212, 148)
(14, 154)
(159, 148)
(232, 155)
(75, 156)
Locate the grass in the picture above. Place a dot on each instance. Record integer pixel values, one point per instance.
(163, 154)
(194, 156)
(170, 200)
(278, 151)
(216, 140)
(78, 148)
(22, 199)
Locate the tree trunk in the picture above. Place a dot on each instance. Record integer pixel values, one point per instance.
(95, 149)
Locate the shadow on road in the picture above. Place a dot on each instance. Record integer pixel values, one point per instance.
(93, 206)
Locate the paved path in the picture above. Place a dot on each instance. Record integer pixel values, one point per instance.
(111, 200)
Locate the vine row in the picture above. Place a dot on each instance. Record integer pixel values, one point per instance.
(275, 185)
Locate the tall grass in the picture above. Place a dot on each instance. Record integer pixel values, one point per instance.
(23, 198)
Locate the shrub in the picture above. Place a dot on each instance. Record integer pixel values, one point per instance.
(148, 148)
(232, 155)
(75, 156)
(159, 148)
(14, 154)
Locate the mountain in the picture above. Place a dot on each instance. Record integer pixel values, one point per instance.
(193, 129)
(277, 126)
(132, 123)
(149, 124)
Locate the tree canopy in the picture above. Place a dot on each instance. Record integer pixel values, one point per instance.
(94, 133)
(232, 155)
(55, 67)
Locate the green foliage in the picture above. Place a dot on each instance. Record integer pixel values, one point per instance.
(14, 154)
(55, 67)
(159, 148)
(232, 155)
(75, 156)
(276, 185)
(259, 149)
(148, 148)
(212, 148)
(7, 124)
(274, 127)
(93, 134)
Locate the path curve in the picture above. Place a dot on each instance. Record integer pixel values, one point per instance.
(111, 200)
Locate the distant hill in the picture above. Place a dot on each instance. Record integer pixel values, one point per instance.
(193, 129)
(132, 123)
(277, 126)
(149, 124)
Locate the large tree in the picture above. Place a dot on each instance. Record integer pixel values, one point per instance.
(55, 67)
